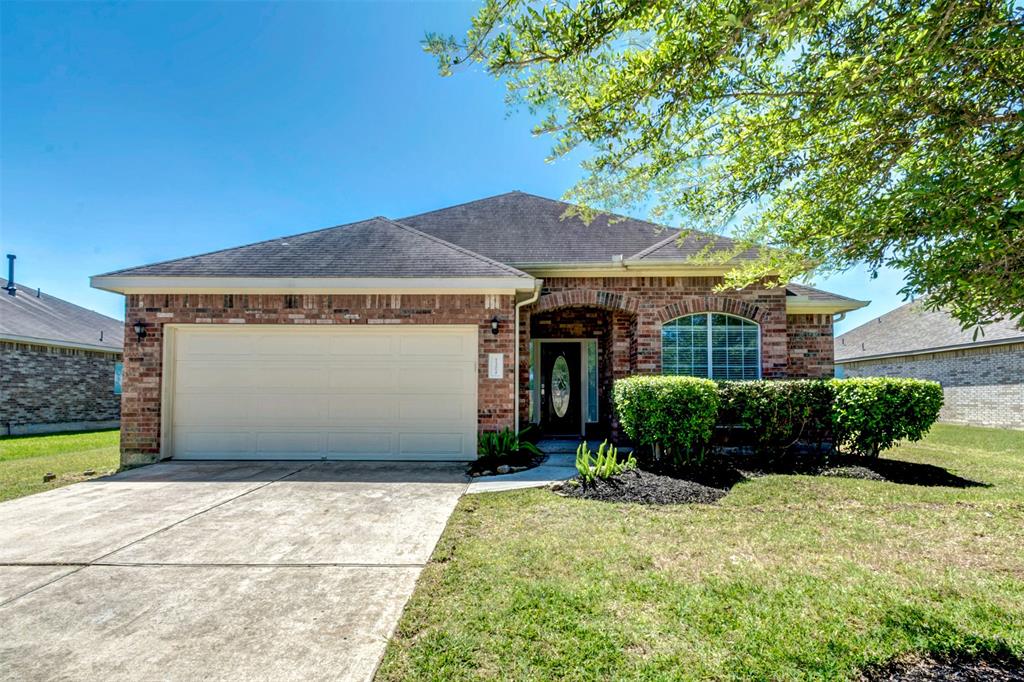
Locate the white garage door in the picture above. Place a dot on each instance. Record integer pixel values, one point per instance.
(404, 392)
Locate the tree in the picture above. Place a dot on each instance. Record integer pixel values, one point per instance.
(831, 133)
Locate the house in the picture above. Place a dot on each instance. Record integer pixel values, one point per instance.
(982, 377)
(403, 339)
(59, 364)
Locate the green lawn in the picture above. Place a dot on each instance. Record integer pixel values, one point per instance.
(24, 460)
(788, 577)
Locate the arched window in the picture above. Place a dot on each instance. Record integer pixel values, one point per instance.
(712, 345)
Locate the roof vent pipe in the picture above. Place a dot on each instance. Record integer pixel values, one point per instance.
(11, 289)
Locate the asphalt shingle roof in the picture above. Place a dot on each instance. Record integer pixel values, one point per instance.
(48, 318)
(912, 329)
(378, 247)
(519, 228)
(793, 289)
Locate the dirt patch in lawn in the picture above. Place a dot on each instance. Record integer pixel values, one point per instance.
(953, 669)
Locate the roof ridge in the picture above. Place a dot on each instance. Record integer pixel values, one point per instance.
(463, 203)
(239, 246)
(654, 247)
(455, 247)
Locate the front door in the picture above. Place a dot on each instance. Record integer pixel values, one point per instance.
(560, 388)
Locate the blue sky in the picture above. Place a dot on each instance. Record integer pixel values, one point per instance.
(144, 131)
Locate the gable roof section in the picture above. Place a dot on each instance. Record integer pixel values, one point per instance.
(377, 248)
(802, 299)
(521, 229)
(911, 329)
(49, 320)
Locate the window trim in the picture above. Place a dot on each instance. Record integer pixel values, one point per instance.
(710, 348)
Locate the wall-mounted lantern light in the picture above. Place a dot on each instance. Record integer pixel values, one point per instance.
(494, 325)
(140, 329)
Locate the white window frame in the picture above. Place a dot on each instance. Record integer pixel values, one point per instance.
(711, 366)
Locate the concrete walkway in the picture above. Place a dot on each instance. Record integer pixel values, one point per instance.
(217, 571)
(557, 467)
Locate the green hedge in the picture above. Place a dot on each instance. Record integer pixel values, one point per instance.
(871, 414)
(675, 416)
(678, 415)
(773, 415)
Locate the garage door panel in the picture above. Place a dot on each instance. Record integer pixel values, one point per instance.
(408, 392)
(198, 375)
(354, 345)
(435, 444)
(356, 443)
(354, 378)
(302, 378)
(199, 343)
(436, 344)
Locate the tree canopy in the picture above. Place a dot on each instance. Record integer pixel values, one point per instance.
(829, 132)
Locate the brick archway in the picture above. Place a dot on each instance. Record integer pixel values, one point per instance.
(690, 305)
(609, 300)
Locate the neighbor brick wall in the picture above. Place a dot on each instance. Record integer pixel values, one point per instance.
(143, 361)
(811, 347)
(47, 385)
(981, 386)
(644, 303)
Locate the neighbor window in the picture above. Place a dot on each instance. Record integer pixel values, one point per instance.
(712, 345)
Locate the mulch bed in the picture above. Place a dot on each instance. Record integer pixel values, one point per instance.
(645, 487)
(713, 481)
(952, 669)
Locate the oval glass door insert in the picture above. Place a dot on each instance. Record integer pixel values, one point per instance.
(560, 386)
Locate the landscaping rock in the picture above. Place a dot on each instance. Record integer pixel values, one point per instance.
(88, 472)
(49, 476)
(504, 469)
(644, 487)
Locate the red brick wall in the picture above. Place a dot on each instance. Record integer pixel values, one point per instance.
(143, 361)
(811, 347)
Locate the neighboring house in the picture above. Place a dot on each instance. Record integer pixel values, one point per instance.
(982, 378)
(59, 364)
(402, 340)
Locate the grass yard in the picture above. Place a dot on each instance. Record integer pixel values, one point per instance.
(787, 577)
(24, 460)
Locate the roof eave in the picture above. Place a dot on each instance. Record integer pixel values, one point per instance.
(936, 349)
(625, 268)
(149, 284)
(803, 305)
(59, 343)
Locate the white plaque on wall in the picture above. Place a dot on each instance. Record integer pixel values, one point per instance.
(495, 365)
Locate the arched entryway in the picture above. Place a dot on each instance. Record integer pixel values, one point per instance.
(575, 345)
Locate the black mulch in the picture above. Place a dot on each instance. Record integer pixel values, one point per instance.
(645, 487)
(712, 481)
(957, 669)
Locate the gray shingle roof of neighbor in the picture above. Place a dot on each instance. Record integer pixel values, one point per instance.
(519, 228)
(45, 318)
(912, 329)
(377, 247)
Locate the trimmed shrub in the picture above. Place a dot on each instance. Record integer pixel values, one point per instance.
(673, 415)
(871, 414)
(774, 415)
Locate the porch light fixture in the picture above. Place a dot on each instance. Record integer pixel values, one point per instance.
(494, 325)
(140, 329)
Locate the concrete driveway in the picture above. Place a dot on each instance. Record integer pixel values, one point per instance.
(216, 571)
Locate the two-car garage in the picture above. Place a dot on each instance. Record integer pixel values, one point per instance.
(399, 392)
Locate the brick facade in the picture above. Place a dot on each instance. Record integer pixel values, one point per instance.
(982, 386)
(143, 360)
(624, 314)
(48, 388)
(810, 346)
(636, 307)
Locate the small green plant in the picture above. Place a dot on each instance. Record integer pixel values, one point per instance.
(603, 465)
(506, 443)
